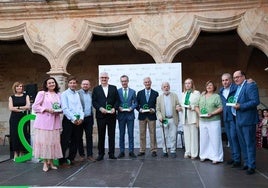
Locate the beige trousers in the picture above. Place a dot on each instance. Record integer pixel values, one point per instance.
(152, 131)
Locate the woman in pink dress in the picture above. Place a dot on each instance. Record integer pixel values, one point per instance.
(47, 124)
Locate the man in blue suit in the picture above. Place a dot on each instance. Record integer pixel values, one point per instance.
(126, 116)
(147, 116)
(227, 93)
(246, 117)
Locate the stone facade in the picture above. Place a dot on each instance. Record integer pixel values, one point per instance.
(154, 31)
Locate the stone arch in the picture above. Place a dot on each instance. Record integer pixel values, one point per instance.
(201, 23)
(253, 29)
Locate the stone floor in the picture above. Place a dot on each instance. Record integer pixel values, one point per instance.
(141, 172)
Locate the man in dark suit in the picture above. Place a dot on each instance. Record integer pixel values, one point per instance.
(105, 100)
(146, 99)
(125, 116)
(246, 116)
(227, 93)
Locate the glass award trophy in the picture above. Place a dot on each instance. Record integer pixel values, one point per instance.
(186, 104)
(125, 107)
(165, 122)
(108, 108)
(145, 108)
(231, 101)
(77, 116)
(56, 107)
(204, 112)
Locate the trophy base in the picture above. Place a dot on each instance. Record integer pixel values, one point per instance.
(230, 104)
(147, 110)
(203, 115)
(58, 110)
(186, 106)
(125, 110)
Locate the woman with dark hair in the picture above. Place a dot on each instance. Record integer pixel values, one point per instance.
(47, 124)
(264, 129)
(18, 104)
(209, 109)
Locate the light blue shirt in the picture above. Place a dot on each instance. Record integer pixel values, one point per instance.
(236, 96)
(87, 100)
(71, 105)
(168, 106)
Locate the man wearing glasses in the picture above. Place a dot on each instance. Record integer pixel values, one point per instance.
(105, 100)
(246, 117)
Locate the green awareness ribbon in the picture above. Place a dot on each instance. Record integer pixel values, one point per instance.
(25, 143)
(23, 140)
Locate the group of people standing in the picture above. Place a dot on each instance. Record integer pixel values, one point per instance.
(201, 119)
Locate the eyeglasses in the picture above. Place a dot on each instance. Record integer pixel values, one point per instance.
(236, 77)
(103, 77)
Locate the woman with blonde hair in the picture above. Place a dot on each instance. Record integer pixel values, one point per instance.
(18, 104)
(189, 101)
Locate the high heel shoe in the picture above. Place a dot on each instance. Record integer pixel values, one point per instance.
(53, 167)
(45, 167)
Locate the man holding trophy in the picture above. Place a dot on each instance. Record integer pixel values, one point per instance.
(105, 100)
(147, 116)
(126, 116)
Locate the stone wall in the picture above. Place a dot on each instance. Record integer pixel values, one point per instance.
(211, 55)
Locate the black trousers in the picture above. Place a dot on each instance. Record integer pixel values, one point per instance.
(70, 137)
(87, 126)
(110, 122)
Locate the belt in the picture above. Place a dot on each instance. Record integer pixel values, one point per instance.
(169, 117)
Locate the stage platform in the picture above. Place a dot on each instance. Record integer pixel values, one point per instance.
(143, 171)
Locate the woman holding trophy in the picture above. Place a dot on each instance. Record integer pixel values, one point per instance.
(190, 98)
(209, 109)
(47, 124)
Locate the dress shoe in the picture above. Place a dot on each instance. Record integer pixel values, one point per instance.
(250, 171)
(91, 159)
(141, 154)
(187, 156)
(173, 155)
(121, 155)
(244, 168)
(82, 158)
(236, 165)
(230, 162)
(99, 158)
(154, 154)
(165, 155)
(112, 157)
(132, 155)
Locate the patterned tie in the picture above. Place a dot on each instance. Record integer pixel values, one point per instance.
(235, 99)
(147, 95)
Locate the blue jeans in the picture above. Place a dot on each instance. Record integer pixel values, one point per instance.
(123, 123)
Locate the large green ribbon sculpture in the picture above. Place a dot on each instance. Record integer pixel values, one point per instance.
(25, 143)
(23, 140)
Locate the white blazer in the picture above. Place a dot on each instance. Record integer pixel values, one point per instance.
(192, 116)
